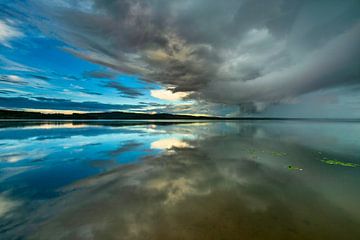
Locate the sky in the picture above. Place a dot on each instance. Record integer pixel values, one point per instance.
(276, 58)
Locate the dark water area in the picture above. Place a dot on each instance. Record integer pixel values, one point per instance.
(179, 180)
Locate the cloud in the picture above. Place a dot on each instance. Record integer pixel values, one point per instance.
(33, 82)
(100, 74)
(90, 93)
(8, 33)
(61, 104)
(10, 65)
(12, 79)
(123, 90)
(320, 69)
(168, 95)
(16, 92)
(203, 108)
(252, 53)
(41, 77)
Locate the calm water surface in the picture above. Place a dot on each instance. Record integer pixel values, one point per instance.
(176, 180)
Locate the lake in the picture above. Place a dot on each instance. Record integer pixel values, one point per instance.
(179, 180)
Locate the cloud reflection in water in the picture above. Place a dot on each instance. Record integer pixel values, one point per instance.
(229, 180)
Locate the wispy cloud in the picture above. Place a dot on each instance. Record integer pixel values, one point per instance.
(123, 90)
(8, 32)
(10, 65)
(20, 80)
(12, 79)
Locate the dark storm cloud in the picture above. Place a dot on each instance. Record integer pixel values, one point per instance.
(256, 52)
(61, 104)
(123, 90)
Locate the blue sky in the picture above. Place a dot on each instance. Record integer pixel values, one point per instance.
(185, 58)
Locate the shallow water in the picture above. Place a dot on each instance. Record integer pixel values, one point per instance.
(179, 180)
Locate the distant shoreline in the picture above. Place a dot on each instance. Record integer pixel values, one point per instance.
(12, 115)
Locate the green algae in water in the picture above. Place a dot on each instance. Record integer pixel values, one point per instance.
(273, 153)
(336, 162)
(294, 168)
(278, 154)
(252, 151)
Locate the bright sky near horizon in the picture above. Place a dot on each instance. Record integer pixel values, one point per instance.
(229, 58)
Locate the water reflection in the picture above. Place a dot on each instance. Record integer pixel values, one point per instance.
(215, 180)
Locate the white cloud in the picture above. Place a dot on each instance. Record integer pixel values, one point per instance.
(8, 33)
(168, 95)
(15, 78)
